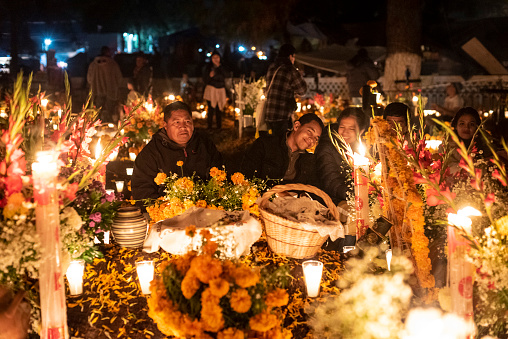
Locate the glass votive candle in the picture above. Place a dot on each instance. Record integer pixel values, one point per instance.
(129, 170)
(132, 156)
(110, 191)
(119, 186)
(312, 271)
(145, 271)
(74, 276)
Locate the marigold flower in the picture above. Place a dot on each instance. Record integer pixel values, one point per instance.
(201, 204)
(210, 247)
(160, 178)
(14, 205)
(245, 277)
(190, 231)
(205, 233)
(179, 163)
(219, 287)
(190, 285)
(206, 268)
(240, 300)
(276, 298)
(231, 333)
(238, 179)
(214, 171)
(185, 184)
(192, 327)
(140, 125)
(263, 322)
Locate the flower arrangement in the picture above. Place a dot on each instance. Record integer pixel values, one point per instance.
(251, 93)
(26, 133)
(146, 117)
(201, 296)
(216, 193)
(360, 317)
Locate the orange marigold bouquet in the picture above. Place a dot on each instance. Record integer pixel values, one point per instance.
(217, 193)
(201, 296)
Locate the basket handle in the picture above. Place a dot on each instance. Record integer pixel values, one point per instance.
(301, 187)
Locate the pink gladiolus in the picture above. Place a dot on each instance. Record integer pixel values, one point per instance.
(70, 192)
(490, 199)
(13, 184)
(499, 177)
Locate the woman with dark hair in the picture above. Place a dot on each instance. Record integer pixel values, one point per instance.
(214, 78)
(334, 173)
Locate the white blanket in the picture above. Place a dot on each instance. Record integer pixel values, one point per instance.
(170, 234)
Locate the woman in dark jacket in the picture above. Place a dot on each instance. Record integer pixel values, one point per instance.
(335, 174)
(214, 78)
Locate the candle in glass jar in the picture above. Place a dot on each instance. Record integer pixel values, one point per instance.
(119, 186)
(75, 276)
(132, 156)
(145, 271)
(361, 168)
(312, 271)
(129, 170)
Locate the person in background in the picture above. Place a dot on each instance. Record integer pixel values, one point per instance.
(176, 142)
(452, 103)
(360, 69)
(334, 172)
(142, 76)
(287, 158)
(105, 79)
(214, 78)
(396, 113)
(283, 82)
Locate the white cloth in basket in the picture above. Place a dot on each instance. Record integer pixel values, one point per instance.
(310, 213)
(170, 234)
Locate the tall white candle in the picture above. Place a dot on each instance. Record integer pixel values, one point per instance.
(145, 271)
(361, 169)
(75, 276)
(312, 271)
(460, 270)
(47, 220)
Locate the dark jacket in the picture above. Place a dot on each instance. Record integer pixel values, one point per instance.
(335, 175)
(161, 155)
(219, 78)
(268, 157)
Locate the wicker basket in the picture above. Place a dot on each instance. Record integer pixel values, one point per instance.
(288, 237)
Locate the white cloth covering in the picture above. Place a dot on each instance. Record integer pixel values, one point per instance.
(170, 234)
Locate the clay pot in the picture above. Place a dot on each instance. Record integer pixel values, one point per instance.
(129, 227)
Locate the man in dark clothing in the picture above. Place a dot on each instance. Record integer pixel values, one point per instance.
(176, 142)
(283, 82)
(286, 158)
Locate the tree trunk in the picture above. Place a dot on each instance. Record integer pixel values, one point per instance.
(403, 36)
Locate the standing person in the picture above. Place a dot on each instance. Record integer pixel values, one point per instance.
(105, 79)
(284, 81)
(142, 76)
(360, 70)
(214, 78)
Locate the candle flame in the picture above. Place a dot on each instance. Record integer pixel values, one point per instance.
(361, 149)
(461, 219)
(98, 149)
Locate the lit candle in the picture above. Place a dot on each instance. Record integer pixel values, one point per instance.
(433, 144)
(145, 271)
(44, 103)
(98, 149)
(47, 211)
(108, 191)
(388, 254)
(361, 168)
(132, 156)
(460, 270)
(129, 170)
(312, 271)
(119, 185)
(59, 113)
(171, 97)
(75, 276)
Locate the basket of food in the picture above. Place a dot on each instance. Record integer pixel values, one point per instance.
(301, 231)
